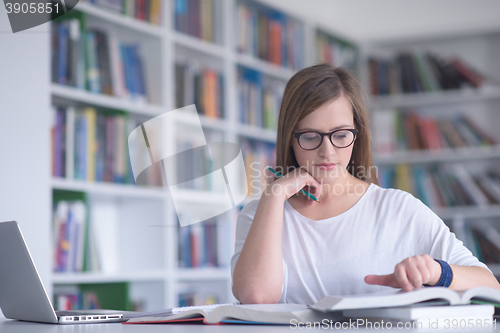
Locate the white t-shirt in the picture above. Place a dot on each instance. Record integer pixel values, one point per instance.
(332, 256)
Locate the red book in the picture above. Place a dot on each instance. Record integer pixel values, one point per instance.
(467, 73)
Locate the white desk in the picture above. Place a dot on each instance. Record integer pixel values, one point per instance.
(12, 326)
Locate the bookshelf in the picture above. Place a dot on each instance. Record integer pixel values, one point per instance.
(144, 246)
(480, 103)
(146, 253)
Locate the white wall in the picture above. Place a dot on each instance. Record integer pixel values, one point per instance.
(25, 136)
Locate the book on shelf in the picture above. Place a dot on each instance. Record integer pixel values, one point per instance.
(204, 244)
(194, 161)
(418, 72)
(270, 35)
(92, 145)
(483, 239)
(256, 156)
(401, 130)
(195, 299)
(84, 238)
(259, 99)
(199, 18)
(94, 60)
(443, 185)
(112, 296)
(201, 86)
(335, 51)
(69, 232)
(144, 10)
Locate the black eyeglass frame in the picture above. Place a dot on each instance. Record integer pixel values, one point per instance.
(354, 131)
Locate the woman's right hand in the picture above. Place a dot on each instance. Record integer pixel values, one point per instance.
(293, 182)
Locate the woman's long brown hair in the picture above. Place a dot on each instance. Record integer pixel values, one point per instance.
(309, 89)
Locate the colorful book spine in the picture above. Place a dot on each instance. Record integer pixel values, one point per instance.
(144, 10)
(92, 146)
(259, 99)
(93, 296)
(335, 51)
(420, 72)
(68, 231)
(269, 35)
(203, 87)
(443, 186)
(200, 243)
(90, 59)
(409, 130)
(197, 18)
(256, 156)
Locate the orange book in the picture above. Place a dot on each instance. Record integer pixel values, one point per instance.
(210, 93)
(275, 42)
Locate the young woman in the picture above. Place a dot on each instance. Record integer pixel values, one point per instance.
(359, 237)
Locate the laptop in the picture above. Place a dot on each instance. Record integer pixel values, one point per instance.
(22, 295)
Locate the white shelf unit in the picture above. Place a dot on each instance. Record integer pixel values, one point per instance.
(482, 104)
(147, 257)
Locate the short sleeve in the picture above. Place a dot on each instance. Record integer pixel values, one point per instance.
(445, 245)
(243, 224)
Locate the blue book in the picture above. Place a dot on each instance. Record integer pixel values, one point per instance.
(139, 71)
(62, 49)
(132, 70)
(126, 65)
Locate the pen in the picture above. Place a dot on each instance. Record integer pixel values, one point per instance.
(302, 190)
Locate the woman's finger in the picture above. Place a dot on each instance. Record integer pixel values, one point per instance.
(402, 277)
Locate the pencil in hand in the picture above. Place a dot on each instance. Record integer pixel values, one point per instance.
(302, 190)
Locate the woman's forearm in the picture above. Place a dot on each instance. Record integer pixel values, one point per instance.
(258, 273)
(466, 277)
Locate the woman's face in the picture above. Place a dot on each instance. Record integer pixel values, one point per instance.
(329, 117)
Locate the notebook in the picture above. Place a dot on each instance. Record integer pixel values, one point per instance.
(22, 294)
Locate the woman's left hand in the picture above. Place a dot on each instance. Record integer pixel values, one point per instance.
(410, 273)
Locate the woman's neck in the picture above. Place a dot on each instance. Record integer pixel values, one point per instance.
(342, 188)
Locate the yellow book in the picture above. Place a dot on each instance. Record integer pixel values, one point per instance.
(207, 8)
(403, 179)
(155, 12)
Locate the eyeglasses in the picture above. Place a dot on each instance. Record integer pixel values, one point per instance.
(311, 140)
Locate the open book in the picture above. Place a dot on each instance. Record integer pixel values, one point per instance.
(246, 313)
(398, 297)
(416, 312)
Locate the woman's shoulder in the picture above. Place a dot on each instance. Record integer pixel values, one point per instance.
(392, 196)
